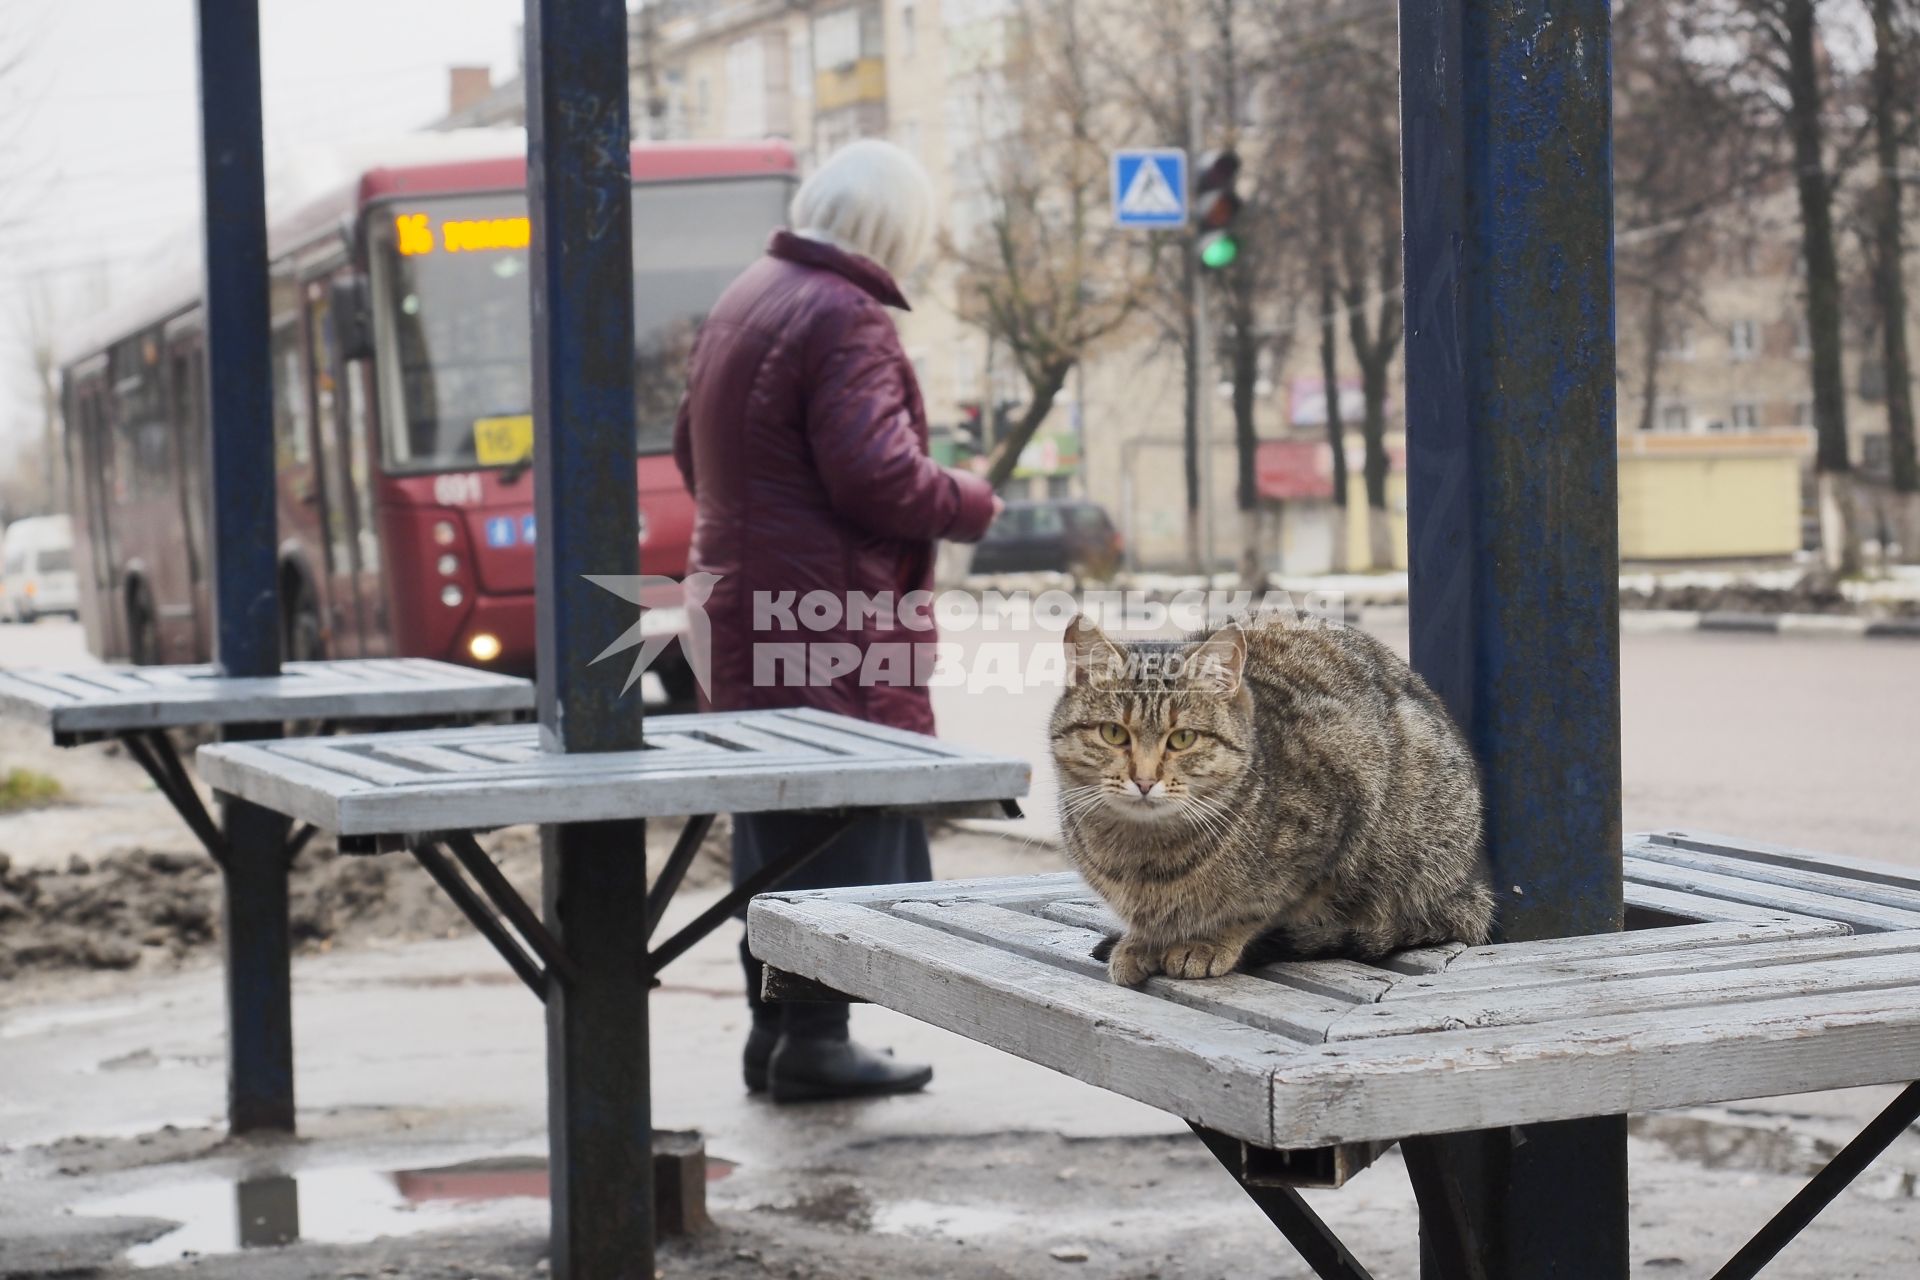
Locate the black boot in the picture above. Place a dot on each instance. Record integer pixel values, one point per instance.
(815, 1068)
(753, 1063)
(767, 1021)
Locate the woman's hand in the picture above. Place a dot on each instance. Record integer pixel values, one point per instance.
(999, 505)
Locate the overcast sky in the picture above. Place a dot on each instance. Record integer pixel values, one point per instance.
(99, 151)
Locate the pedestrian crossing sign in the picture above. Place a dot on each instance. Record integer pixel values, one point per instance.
(1150, 187)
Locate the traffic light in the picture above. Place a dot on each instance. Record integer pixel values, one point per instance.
(1215, 206)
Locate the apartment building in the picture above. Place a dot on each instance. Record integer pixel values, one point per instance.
(1717, 470)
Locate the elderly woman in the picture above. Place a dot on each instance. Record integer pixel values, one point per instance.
(804, 442)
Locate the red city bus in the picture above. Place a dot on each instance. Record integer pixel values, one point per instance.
(402, 386)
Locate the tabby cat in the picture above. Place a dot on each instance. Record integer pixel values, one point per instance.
(1271, 789)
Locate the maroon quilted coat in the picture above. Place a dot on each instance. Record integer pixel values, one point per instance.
(804, 442)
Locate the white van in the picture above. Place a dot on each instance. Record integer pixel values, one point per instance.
(36, 569)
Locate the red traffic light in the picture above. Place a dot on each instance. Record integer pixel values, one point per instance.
(1215, 202)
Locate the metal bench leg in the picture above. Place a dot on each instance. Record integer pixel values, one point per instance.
(768, 877)
(1827, 1184)
(598, 1099)
(1447, 1246)
(253, 853)
(153, 751)
(1286, 1208)
(258, 942)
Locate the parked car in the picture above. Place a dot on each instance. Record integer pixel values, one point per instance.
(1061, 535)
(36, 569)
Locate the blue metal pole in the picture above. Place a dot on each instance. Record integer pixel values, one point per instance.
(239, 369)
(246, 597)
(1514, 556)
(579, 189)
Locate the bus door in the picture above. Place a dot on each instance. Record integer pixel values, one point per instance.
(331, 407)
(352, 323)
(90, 475)
(187, 414)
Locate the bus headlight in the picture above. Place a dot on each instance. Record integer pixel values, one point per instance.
(448, 565)
(451, 596)
(484, 647)
(444, 533)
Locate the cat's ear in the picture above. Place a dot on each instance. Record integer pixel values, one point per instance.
(1091, 657)
(1218, 664)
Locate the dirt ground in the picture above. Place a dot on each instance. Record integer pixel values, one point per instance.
(151, 909)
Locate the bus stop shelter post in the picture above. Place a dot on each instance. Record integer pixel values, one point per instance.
(579, 190)
(246, 596)
(1514, 556)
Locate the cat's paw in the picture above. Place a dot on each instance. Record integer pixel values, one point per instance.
(1199, 960)
(1129, 964)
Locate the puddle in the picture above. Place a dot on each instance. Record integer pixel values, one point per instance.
(30, 1024)
(337, 1206)
(332, 1206)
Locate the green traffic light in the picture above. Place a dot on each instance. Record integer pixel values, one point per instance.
(1218, 251)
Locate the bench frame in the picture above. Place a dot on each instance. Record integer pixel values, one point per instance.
(942, 951)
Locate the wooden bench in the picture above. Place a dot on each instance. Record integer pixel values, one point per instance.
(429, 792)
(1753, 971)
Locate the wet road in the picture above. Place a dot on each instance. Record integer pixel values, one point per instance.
(1807, 741)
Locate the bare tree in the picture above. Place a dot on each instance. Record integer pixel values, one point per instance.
(1682, 152)
(1254, 287)
(1781, 65)
(1336, 428)
(37, 323)
(1046, 276)
(1896, 83)
(1343, 73)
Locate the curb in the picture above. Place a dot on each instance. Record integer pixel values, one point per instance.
(1802, 624)
(1650, 621)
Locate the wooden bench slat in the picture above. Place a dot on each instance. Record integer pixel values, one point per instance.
(1698, 907)
(1781, 855)
(1197, 1066)
(1240, 997)
(1753, 946)
(1864, 963)
(1007, 890)
(1450, 1082)
(1635, 942)
(1864, 916)
(1900, 897)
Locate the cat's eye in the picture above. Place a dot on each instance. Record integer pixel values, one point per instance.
(1113, 734)
(1181, 739)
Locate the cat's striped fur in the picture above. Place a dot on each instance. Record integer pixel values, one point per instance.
(1295, 788)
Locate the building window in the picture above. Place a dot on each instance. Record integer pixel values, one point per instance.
(1802, 337)
(1803, 414)
(1675, 417)
(1677, 341)
(909, 35)
(836, 39)
(1743, 340)
(1745, 416)
(910, 134)
(747, 88)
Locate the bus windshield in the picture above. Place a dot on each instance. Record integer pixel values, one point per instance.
(450, 275)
